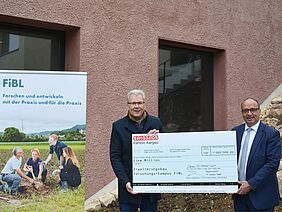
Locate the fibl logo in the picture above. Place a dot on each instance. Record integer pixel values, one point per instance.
(12, 83)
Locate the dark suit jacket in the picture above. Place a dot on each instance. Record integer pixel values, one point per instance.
(262, 165)
(121, 153)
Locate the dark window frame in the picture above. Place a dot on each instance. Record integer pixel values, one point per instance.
(24, 30)
(207, 78)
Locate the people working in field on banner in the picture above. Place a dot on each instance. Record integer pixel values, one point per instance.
(57, 147)
(34, 166)
(258, 153)
(70, 173)
(137, 120)
(12, 173)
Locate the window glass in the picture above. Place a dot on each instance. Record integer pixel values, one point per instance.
(31, 49)
(185, 89)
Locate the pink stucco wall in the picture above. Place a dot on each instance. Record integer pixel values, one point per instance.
(116, 42)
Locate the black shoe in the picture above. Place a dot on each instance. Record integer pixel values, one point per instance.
(21, 190)
(4, 187)
(43, 179)
(14, 193)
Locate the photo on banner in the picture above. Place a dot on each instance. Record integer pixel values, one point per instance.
(42, 133)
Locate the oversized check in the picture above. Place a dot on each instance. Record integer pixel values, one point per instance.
(192, 162)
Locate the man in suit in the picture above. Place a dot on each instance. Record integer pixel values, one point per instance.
(258, 153)
(137, 120)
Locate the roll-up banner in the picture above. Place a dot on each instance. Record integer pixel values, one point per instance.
(43, 114)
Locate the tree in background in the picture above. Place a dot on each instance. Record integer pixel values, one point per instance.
(70, 135)
(13, 134)
(36, 138)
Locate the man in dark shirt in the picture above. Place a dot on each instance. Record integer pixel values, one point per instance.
(57, 147)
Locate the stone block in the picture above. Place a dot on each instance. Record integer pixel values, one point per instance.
(107, 199)
(114, 192)
(93, 206)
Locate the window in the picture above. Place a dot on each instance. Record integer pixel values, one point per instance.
(185, 89)
(24, 48)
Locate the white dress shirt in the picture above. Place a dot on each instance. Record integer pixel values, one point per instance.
(253, 133)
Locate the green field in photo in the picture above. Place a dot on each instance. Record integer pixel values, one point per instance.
(54, 200)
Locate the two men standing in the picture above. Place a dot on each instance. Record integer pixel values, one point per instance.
(258, 154)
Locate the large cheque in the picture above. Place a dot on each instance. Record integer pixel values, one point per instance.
(194, 162)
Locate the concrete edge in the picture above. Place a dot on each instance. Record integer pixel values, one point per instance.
(106, 189)
(276, 92)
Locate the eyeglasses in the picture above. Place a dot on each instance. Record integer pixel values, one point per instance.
(135, 103)
(252, 110)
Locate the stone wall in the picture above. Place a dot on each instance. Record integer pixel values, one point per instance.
(272, 114)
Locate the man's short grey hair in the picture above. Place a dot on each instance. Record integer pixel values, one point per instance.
(16, 150)
(136, 92)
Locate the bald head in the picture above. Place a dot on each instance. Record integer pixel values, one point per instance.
(250, 109)
(250, 99)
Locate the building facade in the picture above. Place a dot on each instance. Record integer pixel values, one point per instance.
(196, 60)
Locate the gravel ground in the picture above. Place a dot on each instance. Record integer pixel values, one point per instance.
(191, 203)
